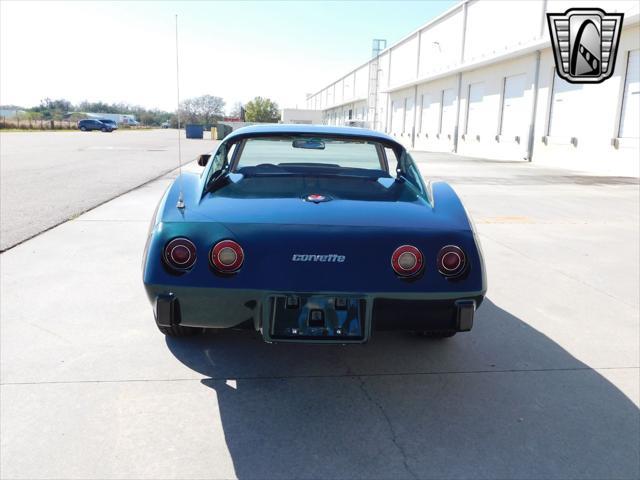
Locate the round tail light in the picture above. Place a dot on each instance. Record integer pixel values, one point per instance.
(180, 254)
(407, 261)
(451, 261)
(227, 256)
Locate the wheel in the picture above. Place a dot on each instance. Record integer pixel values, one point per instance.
(179, 331)
(436, 333)
(103, 129)
(83, 129)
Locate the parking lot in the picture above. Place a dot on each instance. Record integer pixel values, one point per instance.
(49, 177)
(545, 385)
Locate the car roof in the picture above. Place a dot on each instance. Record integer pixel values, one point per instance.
(306, 129)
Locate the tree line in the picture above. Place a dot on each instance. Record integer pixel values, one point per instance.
(206, 109)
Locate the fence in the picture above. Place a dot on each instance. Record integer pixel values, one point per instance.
(31, 124)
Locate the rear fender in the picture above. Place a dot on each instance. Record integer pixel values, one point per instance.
(167, 210)
(447, 202)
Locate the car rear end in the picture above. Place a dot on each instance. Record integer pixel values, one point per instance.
(309, 238)
(315, 283)
(110, 124)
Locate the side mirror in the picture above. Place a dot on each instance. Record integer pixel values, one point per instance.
(204, 159)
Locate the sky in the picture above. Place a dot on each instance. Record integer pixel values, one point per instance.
(125, 51)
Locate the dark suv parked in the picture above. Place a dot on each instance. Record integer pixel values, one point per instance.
(89, 124)
(109, 123)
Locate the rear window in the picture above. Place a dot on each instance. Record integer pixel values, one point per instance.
(310, 151)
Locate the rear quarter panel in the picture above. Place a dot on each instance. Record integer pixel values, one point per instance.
(269, 249)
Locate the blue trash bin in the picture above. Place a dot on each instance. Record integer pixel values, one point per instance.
(194, 131)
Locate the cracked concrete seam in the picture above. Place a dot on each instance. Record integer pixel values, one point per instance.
(394, 435)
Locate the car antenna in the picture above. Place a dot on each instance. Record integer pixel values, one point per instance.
(180, 204)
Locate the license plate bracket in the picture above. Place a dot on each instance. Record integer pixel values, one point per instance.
(317, 318)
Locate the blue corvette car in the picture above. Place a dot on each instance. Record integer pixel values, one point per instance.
(312, 234)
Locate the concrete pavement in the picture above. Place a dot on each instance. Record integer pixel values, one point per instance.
(49, 177)
(545, 386)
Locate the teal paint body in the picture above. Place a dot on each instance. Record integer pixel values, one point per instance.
(365, 221)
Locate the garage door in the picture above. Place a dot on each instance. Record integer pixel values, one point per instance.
(409, 103)
(475, 116)
(566, 108)
(448, 115)
(430, 117)
(515, 111)
(630, 121)
(397, 115)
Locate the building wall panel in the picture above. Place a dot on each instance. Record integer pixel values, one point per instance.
(404, 62)
(402, 112)
(361, 82)
(516, 111)
(601, 119)
(348, 87)
(494, 26)
(595, 125)
(429, 134)
(492, 141)
(441, 45)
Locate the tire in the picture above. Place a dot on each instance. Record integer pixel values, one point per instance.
(83, 129)
(436, 334)
(179, 331)
(103, 129)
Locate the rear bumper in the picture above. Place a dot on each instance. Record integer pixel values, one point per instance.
(449, 314)
(227, 308)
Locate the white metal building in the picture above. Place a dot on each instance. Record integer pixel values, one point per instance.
(295, 115)
(480, 80)
(119, 118)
